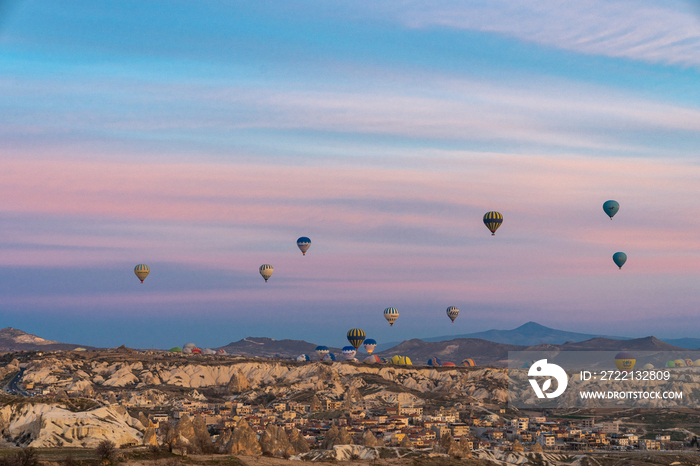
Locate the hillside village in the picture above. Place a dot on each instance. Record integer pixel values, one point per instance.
(192, 404)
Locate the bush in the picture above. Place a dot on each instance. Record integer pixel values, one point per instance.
(106, 450)
(70, 461)
(24, 457)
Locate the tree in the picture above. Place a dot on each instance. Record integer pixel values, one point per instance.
(106, 450)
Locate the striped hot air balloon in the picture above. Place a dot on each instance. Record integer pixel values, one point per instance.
(434, 361)
(469, 363)
(493, 220)
(266, 271)
(391, 314)
(303, 244)
(372, 359)
(356, 336)
(452, 313)
(142, 271)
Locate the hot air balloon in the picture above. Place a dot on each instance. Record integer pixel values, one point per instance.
(329, 357)
(493, 220)
(369, 345)
(468, 362)
(196, 351)
(303, 358)
(611, 208)
(679, 362)
(449, 364)
(372, 359)
(391, 314)
(434, 361)
(303, 244)
(648, 367)
(222, 352)
(452, 313)
(266, 271)
(670, 364)
(187, 350)
(620, 258)
(176, 349)
(696, 363)
(401, 360)
(625, 361)
(386, 361)
(688, 362)
(209, 351)
(321, 351)
(356, 336)
(142, 271)
(190, 346)
(349, 352)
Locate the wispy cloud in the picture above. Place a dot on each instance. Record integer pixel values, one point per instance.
(658, 31)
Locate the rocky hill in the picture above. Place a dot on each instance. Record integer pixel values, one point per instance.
(481, 351)
(12, 339)
(271, 348)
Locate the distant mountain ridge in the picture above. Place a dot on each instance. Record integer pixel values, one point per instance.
(12, 339)
(271, 348)
(532, 333)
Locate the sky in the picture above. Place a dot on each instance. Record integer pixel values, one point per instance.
(203, 138)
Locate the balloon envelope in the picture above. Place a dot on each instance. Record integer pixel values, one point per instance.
(303, 358)
(620, 258)
(356, 336)
(611, 208)
(370, 345)
(391, 314)
(452, 313)
(450, 364)
(625, 361)
(468, 362)
(329, 357)
(648, 366)
(434, 361)
(266, 271)
(176, 349)
(321, 351)
(142, 271)
(670, 364)
(373, 359)
(493, 220)
(349, 352)
(303, 244)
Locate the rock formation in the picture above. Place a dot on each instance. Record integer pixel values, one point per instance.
(274, 442)
(150, 437)
(368, 439)
(405, 442)
(297, 441)
(517, 446)
(536, 448)
(315, 405)
(238, 383)
(243, 441)
(344, 437)
(202, 439)
(331, 438)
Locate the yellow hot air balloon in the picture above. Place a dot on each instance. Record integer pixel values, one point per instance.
(493, 220)
(625, 361)
(142, 271)
(266, 271)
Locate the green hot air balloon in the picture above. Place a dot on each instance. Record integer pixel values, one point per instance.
(356, 336)
(611, 208)
(620, 258)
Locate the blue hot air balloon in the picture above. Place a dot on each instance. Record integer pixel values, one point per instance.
(611, 208)
(391, 314)
(369, 345)
(321, 351)
(349, 352)
(303, 244)
(620, 258)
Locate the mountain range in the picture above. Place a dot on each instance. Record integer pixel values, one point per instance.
(532, 333)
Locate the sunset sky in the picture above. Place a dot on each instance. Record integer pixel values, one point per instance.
(204, 138)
